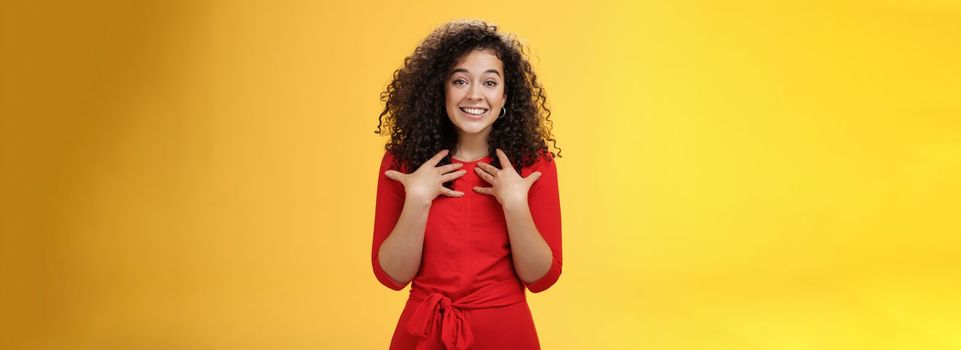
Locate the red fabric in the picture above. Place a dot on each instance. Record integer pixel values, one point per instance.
(466, 283)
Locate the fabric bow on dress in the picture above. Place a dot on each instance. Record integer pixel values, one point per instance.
(455, 331)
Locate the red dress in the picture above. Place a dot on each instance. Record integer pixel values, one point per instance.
(466, 294)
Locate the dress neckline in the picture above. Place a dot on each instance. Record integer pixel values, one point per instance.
(487, 157)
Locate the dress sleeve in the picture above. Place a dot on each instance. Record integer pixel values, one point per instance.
(544, 202)
(390, 202)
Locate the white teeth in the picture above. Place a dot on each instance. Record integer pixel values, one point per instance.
(474, 111)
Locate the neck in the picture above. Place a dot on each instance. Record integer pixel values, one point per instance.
(471, 147)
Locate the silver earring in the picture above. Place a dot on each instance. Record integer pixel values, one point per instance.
(503, 112)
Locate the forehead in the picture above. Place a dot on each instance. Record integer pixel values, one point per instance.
(479, 61)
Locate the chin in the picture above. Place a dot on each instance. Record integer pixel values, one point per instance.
(472, 129)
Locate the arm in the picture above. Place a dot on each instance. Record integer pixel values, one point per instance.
(398, 232)
(403, 204)
(533, 213)
(400, 254)
(531, 254)
(535, 231)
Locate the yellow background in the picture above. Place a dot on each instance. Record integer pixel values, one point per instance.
(735, 174)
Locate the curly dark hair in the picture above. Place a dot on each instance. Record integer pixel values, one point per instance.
(415, 112)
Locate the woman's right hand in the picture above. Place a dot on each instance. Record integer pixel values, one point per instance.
(428, 181)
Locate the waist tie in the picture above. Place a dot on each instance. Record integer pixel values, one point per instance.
(454, 331)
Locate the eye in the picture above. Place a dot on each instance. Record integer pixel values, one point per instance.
(459, 81)
(490, 83)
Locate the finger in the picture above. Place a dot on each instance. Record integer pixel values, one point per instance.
(505, 163)
(490, 169)
(484, 190)
(533, 177)
(394, 175)
(451, 193)
(484, 175)
(436, 158)
(450, 167)
(453, 175)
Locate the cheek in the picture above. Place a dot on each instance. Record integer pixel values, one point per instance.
(452, 96)
(496, 97)
(451, 103)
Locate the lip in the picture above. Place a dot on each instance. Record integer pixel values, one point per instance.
(474, 117)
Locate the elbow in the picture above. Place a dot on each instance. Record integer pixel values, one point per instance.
(384, 278)
(548, 280)
(389, 282)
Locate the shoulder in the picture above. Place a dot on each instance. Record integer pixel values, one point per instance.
(545, 162)
(388, 161)
(387, 157)
(384, 182)
(547, 166)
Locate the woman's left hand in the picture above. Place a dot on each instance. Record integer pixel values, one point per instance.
(508, 186)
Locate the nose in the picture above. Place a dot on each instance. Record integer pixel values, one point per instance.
(473, 93)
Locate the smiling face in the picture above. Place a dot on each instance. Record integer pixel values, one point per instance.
(475, 93)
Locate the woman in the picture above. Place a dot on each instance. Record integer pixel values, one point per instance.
(467, 199)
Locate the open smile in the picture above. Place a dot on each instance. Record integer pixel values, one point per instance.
(474, 113)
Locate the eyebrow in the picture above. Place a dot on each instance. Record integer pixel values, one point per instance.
(465, 71)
